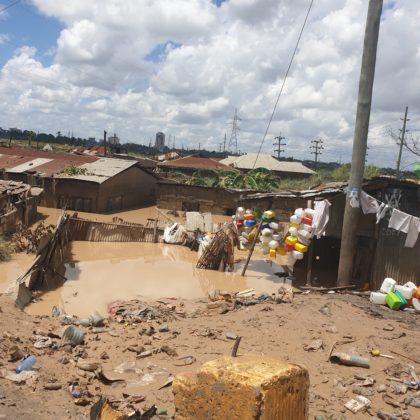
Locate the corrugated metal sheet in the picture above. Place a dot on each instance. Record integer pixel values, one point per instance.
(30, 165)
(201, 221)
(251, 161)
(194, 162)
(102, 169)
(94, 231)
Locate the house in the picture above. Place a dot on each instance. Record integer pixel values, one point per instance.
(190, 164)
(80, 182)
(380, 250)
(18, 203)
(284, 169)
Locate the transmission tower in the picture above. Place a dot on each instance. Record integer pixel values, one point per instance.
(279, 144)
(233, 141)
(317, 147)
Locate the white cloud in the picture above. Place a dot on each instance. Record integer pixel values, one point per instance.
(109, 73)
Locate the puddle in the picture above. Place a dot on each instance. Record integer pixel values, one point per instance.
(99, 273)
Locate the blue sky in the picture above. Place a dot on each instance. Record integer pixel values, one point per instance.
(24, 25)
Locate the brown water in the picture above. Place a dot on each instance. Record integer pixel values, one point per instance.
(101, 272)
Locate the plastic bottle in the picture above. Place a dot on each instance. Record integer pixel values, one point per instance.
(406, 291)
(295, 219)
(378, 298)
(309, 212)
(26, 364)
(300, 212)
(293, 231)
(388, 285)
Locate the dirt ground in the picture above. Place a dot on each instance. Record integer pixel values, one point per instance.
(279, 330)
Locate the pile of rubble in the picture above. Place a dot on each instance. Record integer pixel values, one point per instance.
(28, 240)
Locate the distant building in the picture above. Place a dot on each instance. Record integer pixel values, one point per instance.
(113, 140)
(160, 141)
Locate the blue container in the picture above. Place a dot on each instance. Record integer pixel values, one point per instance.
(401, 297)
(26, 364)
(250, 223)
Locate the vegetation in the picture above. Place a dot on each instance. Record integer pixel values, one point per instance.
(5, 251)
(74, 170)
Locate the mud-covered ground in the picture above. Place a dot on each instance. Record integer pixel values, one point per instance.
(279, 330)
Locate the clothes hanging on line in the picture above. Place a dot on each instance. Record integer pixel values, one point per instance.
(320, 218)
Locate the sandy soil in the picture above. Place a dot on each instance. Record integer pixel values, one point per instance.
(279, 330)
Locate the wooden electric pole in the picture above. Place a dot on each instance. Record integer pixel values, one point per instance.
(367, 74)
(105, 144)
(403, 131)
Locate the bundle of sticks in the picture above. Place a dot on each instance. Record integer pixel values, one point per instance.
(219, 254)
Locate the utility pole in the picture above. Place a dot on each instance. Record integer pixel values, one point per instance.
(364, 101)
(224, 144)
(279, 144)
(37, 140)
(317, 149)
(403, 131)
(233, 141)
(104, 143)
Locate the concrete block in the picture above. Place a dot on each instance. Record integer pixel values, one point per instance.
(245, 388)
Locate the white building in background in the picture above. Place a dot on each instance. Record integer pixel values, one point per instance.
(160, 141)
(113, 140)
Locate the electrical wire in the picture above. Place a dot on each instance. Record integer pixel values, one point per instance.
(284, 81)
(10, 5)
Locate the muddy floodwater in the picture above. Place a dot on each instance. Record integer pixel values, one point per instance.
(99, 273)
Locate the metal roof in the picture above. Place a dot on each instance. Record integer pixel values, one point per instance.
(265, 161)
(102, 169)
(30, 165)
(195, 162)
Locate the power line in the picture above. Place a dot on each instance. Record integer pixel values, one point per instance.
(279, 144)
(284, 81)
(233, 141)
(317, 147)
(10, 5)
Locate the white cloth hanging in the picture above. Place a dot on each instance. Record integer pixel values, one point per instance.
(368, 203)
(399, 221)
(320, 218)
(413, 232)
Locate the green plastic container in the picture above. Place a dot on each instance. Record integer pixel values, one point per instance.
(393, 301)
(401, 297)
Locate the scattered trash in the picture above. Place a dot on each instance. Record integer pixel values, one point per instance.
(231, 335)
(27, 376)
(357, 404)
(185, 361)
(89, 367)
(168, 350)
(314, 345)
(414, 402)
(73, 334)
(388, 327)
(26, 364)
(15, 354)
(56, 311)
(361, 390)
(349, 360)
(377, 353)
(144, 354)
(74, 391)
(390, 400)
(52, 386)
(163, 328)
(167, 383)
(42, 342)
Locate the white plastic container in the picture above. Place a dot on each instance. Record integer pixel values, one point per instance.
(265, 249)
(265, 239)
(300, 212)
(295, 219)
(274, 226)
(309, 212)
(267, 232)
(293, 231)
(388, 285)
(306, 227)
(304, 234)
(411, 285)
(416, 304)
(297, 255)
(273, 244)
(277, 237)
(303, 240)
(378, 298)
(407, 292)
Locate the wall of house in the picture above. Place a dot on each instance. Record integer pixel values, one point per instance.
(195, 198)
(23, 212)
(129, 189)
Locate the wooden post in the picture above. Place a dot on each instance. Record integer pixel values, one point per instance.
(252, 248)
(367, 73)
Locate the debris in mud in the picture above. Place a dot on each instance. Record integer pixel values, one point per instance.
(357, 404)
(29, 240)
(314, 345)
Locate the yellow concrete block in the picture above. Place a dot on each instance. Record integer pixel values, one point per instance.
(245, 388)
